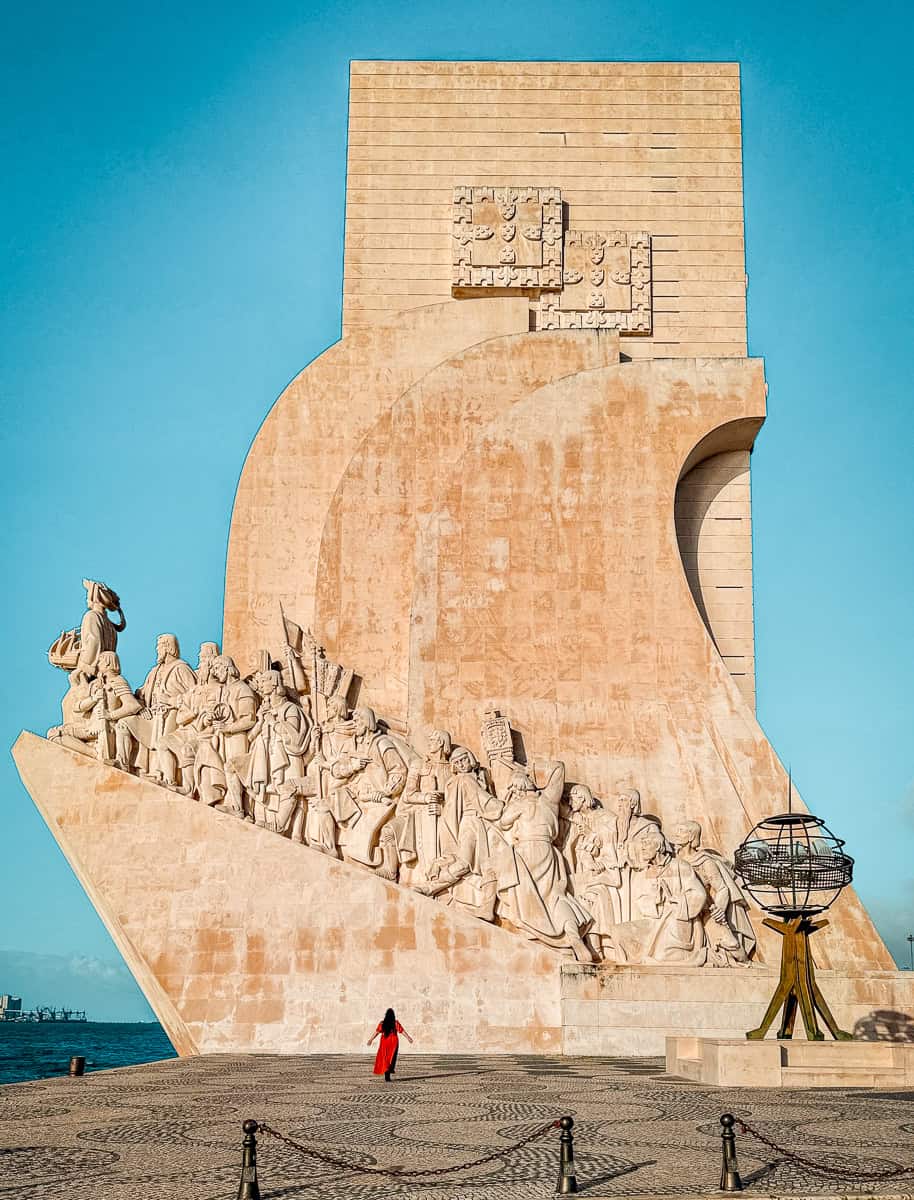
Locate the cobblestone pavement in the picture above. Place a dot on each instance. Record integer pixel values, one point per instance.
(171, 1130)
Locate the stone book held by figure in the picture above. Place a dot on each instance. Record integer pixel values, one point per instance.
(479, 734)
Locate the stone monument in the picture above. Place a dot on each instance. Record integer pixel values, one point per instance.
(481, 737)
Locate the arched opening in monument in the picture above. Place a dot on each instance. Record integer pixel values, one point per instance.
(714, 531)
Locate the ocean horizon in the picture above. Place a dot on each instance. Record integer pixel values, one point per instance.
(42, 1049)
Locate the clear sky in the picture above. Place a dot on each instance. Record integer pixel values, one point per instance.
(167, 166)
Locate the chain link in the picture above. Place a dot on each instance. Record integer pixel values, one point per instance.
(822, 1168)
(396, 1172)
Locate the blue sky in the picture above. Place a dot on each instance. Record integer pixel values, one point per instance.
(172, 230)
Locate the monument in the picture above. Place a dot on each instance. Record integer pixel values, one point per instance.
(478, 739)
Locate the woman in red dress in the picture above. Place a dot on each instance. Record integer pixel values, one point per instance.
(385, 1062)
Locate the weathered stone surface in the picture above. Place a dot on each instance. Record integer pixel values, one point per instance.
(391, 499)
(305, 444)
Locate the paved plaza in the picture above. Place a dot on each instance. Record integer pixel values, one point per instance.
(172, 1130)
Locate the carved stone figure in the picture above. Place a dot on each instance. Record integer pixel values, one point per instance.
(280, 743)
(373, 774)
(78, 649)
(420, 805)
(208, 652)
(667, 902)
(92, 710)
(226, 710)
(73, 731)
(627, 822)
(144, 738)
(731, 938)
(593, 861)
(97, 632)
(465, 873)
(331, 806)
(534, 891)
(182, 742)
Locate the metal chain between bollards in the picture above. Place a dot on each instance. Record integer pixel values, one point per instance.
(398, 1173)
(816, 1167)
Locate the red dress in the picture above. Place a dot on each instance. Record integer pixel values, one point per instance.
(386, 1058)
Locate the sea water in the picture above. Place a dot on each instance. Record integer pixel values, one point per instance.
(38, 1050)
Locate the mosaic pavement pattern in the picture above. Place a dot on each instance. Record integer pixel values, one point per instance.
(171, 1130)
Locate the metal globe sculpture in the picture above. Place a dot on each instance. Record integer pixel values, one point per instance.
(794, 867)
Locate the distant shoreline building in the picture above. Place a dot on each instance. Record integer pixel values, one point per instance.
(11, 1010)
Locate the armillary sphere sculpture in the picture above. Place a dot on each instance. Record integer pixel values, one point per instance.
(795, 868)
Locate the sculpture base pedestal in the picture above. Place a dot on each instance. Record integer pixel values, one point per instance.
(739, 1062)
(629, 1011)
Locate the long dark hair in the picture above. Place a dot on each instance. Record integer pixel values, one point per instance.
(389, 1024)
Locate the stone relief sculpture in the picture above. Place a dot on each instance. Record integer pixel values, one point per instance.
(667, 900)
(280, 745)
(516, 239)
(729, 932)
(534, 884)
(91, 711)
(511, 843)
(421, 804)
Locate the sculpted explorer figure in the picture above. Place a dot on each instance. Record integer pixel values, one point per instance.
(280, 744)
(627, 823)
(77, 650)
(330, 806)
(421, 803)
(184, 740)
(226, 711)
(534, 894)
(144, 740)
(97, 632)
(92, 710)
(374, 775)
(731, 938)
(667, 902)
(466, 872)
(594, 862)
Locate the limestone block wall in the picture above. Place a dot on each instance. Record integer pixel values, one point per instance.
(633, 146)
(714, 527)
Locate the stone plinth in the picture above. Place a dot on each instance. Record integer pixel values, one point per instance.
(738, 1062)
(640, 1010)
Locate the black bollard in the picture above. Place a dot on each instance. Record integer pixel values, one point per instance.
(249, 1189)
(77, 1065)
(729, 1172)
(568, 1181)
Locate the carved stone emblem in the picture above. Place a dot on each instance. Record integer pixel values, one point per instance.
(506, 238)
(607, 284)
